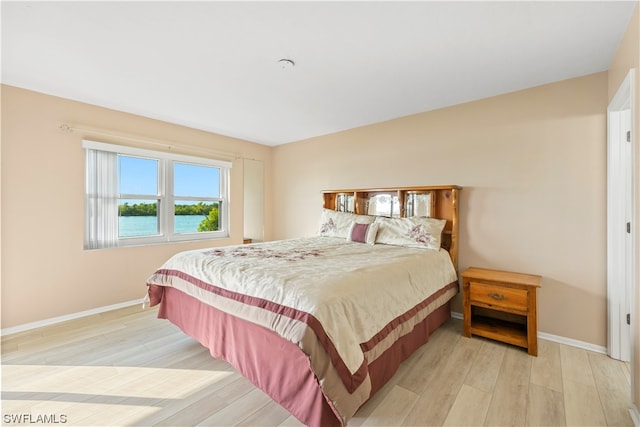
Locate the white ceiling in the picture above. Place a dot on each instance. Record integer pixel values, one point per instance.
(214, 65)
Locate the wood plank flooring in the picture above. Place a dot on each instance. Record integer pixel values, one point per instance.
(127, 368)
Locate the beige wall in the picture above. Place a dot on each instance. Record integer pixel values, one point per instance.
(626, 58)
(45, 271)
(533, 168)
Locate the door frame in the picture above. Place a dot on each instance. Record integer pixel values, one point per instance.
(621, 210)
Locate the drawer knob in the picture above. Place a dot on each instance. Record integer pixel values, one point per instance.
(495, 296)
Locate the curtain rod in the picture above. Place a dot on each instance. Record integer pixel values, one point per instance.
(168, 145)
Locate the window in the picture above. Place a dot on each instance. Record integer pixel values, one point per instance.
(135, 196)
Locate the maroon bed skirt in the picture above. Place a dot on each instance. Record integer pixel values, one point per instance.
(276, 366)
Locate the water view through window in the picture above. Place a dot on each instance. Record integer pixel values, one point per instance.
(131, 226)
(195, 190)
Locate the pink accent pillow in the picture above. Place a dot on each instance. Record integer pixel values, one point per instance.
(363, 233)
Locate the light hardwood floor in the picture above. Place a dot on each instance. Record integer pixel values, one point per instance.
(128, 368)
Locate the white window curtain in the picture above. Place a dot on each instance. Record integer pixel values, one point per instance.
(101, 199)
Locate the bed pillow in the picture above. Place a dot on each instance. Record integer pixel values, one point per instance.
(415, 232)
(363, 233)
(338, 224)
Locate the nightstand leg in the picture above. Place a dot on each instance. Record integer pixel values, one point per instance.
(532, 341)
(466, 324)
(532, 324)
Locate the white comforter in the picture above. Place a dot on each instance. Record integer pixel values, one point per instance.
(352, 289)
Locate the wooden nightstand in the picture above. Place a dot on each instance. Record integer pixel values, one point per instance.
(501, 305)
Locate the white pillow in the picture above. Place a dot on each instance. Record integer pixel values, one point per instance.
(415, 232)
(363, 233)
(338, 224)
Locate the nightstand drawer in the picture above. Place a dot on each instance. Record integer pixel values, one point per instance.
(498, 296)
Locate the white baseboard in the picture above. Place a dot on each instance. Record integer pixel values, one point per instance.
(556, 338)
(635, 416)
(60, 319)
(574, 343)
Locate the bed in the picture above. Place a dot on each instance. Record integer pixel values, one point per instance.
(321, 323)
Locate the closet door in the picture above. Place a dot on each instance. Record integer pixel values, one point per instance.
(253, 200)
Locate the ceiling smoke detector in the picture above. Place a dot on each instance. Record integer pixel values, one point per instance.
(286, 64)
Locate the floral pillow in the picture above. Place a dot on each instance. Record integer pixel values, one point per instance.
(416, 232)
(363, 233)
(338, 224)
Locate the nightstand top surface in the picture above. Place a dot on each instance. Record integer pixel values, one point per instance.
(502, 276)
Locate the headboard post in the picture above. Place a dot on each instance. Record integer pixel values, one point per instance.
(453, 250)
(444, 206)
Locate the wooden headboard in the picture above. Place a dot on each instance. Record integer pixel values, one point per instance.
(444, 205)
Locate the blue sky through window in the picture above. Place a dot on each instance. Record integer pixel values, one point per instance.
(195, 180)
(137, 175)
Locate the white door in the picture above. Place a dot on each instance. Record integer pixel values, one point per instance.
(620, 230)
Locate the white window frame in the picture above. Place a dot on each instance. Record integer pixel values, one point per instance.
(165, 197)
